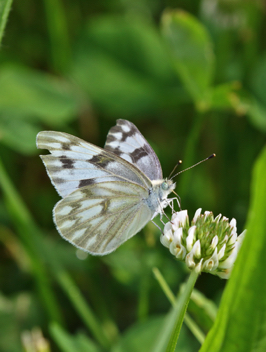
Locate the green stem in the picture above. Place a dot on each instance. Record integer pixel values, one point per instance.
(143, 303)
(164, 286)
(194, 328)
(57, 28)
(180, 310)
(82, 307)
(5, 7)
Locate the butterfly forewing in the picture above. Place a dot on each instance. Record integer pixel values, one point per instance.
(74, 163)
(126, 141)
(108, 194)
(100, 217)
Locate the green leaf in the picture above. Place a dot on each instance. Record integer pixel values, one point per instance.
(124, 67)
(5, 6)
(225, 96)
(257, 114)
(37, 95)
(257, 108)
(241, 321)
(258, 80)
(70, 343)
(192, 53)
(18, 134)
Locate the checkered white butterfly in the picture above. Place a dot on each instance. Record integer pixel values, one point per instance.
(108, 194)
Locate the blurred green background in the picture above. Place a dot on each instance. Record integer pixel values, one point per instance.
(192, 76)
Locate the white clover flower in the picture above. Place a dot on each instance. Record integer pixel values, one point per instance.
(207, 244)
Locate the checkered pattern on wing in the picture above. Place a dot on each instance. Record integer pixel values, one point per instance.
(74, 163)
(125, 140)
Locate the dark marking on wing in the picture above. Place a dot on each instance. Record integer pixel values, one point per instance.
(58, 180)
(125, 135)
(86, 182)
(143, 157)
(137, 154)
(65, 146)
(66, 163)
(105, 204)
(99, 160)
(117, 151)
(87, 192)
(111, 138)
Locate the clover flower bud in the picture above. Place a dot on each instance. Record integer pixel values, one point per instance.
(207, 244)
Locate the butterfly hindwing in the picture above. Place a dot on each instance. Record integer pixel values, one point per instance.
(100, 217)
(74, 163)
(125, 140)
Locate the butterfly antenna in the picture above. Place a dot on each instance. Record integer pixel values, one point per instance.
(180, 172)
(179, 162)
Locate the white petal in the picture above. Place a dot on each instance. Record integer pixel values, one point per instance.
(190, 238)
(169, 235)
(229, 262)
(198, 267)
(182, 253)
(190, 260)
(232, 237)
(196, 250)
(166, 238)
(239, 241)
(178, 250)
(212, 263)
(164, 241)
(178, 235)
(167, 227)
(179, 218)
(224, 274)
(218, 217)
(214, 242)
(233, 224)
(173, 248)
(207, 212)
(197, 214)
(183, 217)
(221, 252)
(240, 238)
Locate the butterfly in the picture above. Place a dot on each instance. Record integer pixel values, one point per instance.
(108, 195)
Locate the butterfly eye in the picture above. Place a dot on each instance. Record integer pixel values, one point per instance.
(165, 186)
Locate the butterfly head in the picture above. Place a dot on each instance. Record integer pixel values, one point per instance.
(158, 195)
(166, 187)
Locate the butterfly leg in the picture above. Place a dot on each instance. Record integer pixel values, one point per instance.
(158, 227)
(178, 200)
(171, 203)
(162, 213)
